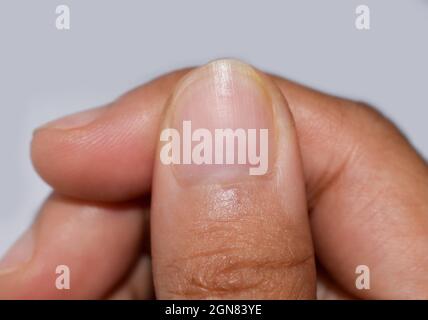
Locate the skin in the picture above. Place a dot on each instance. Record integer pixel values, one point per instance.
(360, 197)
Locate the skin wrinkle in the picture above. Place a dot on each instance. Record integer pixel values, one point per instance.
(229, 277)
(328, 178)
(329, 181)
(234, 267)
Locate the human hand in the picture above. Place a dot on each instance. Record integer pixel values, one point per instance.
(342, 185)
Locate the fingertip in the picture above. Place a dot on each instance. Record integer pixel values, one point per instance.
(106, 153)
(100, 163)
(107, 159)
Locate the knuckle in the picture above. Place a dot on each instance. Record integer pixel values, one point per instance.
(233, 272)
(367, 127)
(371, 117)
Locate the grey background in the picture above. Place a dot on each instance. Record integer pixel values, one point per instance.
(115, 45)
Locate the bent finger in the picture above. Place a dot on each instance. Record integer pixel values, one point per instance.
(368, 195)
(74, 250)
(104, 154)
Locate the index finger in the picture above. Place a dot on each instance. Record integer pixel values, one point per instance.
(105, 153)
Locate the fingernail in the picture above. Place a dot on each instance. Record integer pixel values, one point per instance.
(20, 253)
(224, 116)
(75, 120)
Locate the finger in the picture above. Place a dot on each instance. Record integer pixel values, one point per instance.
(368, 195)
(104, 153)
(219, 231)
(97, 243)
(328, 289)
(138, 285)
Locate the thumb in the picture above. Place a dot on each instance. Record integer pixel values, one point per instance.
(234, 230)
